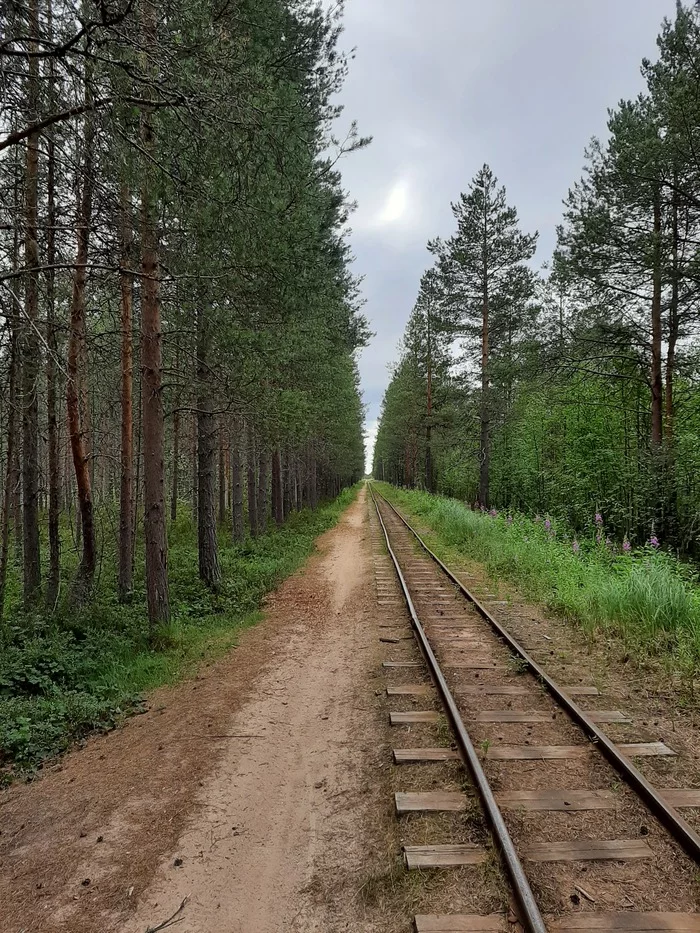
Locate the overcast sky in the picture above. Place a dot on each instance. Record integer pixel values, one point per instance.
(446, 85)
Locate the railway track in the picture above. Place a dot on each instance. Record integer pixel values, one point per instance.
(568, 811)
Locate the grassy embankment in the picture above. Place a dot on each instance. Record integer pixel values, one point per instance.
(645, 597)
(70, 673)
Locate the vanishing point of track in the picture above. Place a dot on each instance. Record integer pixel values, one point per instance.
(449, 621)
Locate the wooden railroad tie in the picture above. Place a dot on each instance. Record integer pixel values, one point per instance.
(510, 715)
(581, 922)
(443, 856)
(430, 802)
(554, 752)
(460, 923)
(588, 850)
(564, 800)
(409, 690)
(415, 755)
(557, 800)
(505, 690)
(455, 856)
(475, 664)
(530, 752)
(681, 796)
(398, 719)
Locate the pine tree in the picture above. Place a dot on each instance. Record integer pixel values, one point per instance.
(477, 266)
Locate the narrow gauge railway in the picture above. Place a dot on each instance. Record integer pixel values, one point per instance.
(585, 841)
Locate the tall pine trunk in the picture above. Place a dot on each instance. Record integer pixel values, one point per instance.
(76, 384)
(312, 476)
(176, 468)
(9, 466)
(237, 483)
(194, 466)
(125, 583)
(252, 485)
(156, 541)
(209, 568)
(262, 490)
(54, 473)
(673, 324)
(656, 336)
(222, 473)
(31, 355)
(277, 491)
(287, 485)
(429, 483)
(485, 427)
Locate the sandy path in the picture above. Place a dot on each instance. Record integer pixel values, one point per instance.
(248, 796)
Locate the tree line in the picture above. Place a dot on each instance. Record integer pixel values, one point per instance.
(573, 390)
(179, 316)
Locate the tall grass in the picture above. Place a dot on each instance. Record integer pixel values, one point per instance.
(66, 674)
(645, 597)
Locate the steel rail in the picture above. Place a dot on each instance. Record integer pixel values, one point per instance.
(530, 913)
(679, 828)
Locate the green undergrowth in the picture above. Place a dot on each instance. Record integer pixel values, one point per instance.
(645, 597)
(70, 673)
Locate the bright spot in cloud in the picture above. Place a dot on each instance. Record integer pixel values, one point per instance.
(370, 439)
(396, 204)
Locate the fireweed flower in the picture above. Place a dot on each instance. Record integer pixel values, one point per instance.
(626, 546)
(493, 513)
(598, 537)
(547, 525)
(598, 518)
(654, 541)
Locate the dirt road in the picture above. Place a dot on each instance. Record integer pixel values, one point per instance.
(248, 792)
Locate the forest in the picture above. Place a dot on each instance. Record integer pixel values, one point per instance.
(180, 325)
(570, 391)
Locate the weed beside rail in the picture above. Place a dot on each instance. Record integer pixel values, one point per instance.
(646, 597)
